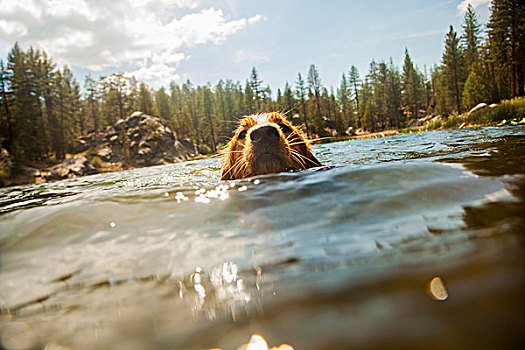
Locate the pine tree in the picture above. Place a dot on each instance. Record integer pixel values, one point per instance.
(454, 68)
(256, 87)
(208, 111)
(162, 103)
(506, 30)
(91, 102)
(345, 102)
(393, 96)
(288, 99)
(6, 102)
(25, 125)
(476, 89)
(249, 99)
(178, 107)
(355, 82)
(191, 117)
(412, 86)
(301, 93)
(471, 37)
(315, 85)
(145, 101)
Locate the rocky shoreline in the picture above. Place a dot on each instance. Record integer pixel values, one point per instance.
(136, 141)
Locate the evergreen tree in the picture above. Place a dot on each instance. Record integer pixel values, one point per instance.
(162, 103)
(249, 99)
(506, 30)
(471, 37)
(345, 100)
(6, 101)
(25, 123)
(412, 86)
(355, 82)
(208, 111)
(145, 101)
(315, 85)
(91, 102)
(191, 117)
(301, 93)
(288, 99)
(476, 89)
(454, 68)
(256, 87)
(393, 96)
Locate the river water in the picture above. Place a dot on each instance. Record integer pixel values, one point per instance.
(406, 241)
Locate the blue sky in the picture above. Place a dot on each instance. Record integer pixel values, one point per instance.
(203, 40)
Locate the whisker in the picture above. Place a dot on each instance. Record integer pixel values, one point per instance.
(305, 142)
(288, 111)
(216, 155)
(233, 168)
(321, 138)
(298, 157)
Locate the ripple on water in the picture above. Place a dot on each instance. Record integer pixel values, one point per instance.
(146, 257)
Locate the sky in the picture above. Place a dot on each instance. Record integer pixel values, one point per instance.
(159, 41)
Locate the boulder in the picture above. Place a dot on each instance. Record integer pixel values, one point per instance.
(478, 107)
(138, 140)
(75, 166)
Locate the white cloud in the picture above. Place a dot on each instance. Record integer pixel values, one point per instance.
(12, 28)
(462, 7)
(425, 34)
(98, 34)
(157, 74)
(245, 55)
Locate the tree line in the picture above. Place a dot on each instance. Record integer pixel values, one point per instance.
(43, 110)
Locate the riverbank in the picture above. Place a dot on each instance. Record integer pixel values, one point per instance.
(507, 112)
(139, 140)
(112, 149)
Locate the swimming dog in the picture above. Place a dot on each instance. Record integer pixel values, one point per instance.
(266, 143)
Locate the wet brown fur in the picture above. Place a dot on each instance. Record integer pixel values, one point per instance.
(287, 151)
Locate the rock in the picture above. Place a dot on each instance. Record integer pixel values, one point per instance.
(72, 167)
(138, 140)
(478, 107)
(105, 153)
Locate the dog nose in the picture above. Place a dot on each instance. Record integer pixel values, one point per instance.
(264, 133)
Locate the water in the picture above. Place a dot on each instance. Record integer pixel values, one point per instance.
(406, 241)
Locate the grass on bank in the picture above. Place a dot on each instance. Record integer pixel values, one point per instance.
(505, 112)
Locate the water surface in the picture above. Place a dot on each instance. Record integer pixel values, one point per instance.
(405, 241)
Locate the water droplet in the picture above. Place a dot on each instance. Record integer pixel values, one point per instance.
(112, 224)
(437, 289)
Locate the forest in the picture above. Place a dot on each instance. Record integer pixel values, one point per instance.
(44, 110)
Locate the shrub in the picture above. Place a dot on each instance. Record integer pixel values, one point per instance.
(434, 125)
(204, 149)
(507, 109)
(96, 162)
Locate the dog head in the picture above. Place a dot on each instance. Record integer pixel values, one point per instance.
(266, 143)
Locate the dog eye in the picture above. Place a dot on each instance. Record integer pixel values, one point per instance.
(242, 135)
(285, 128)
